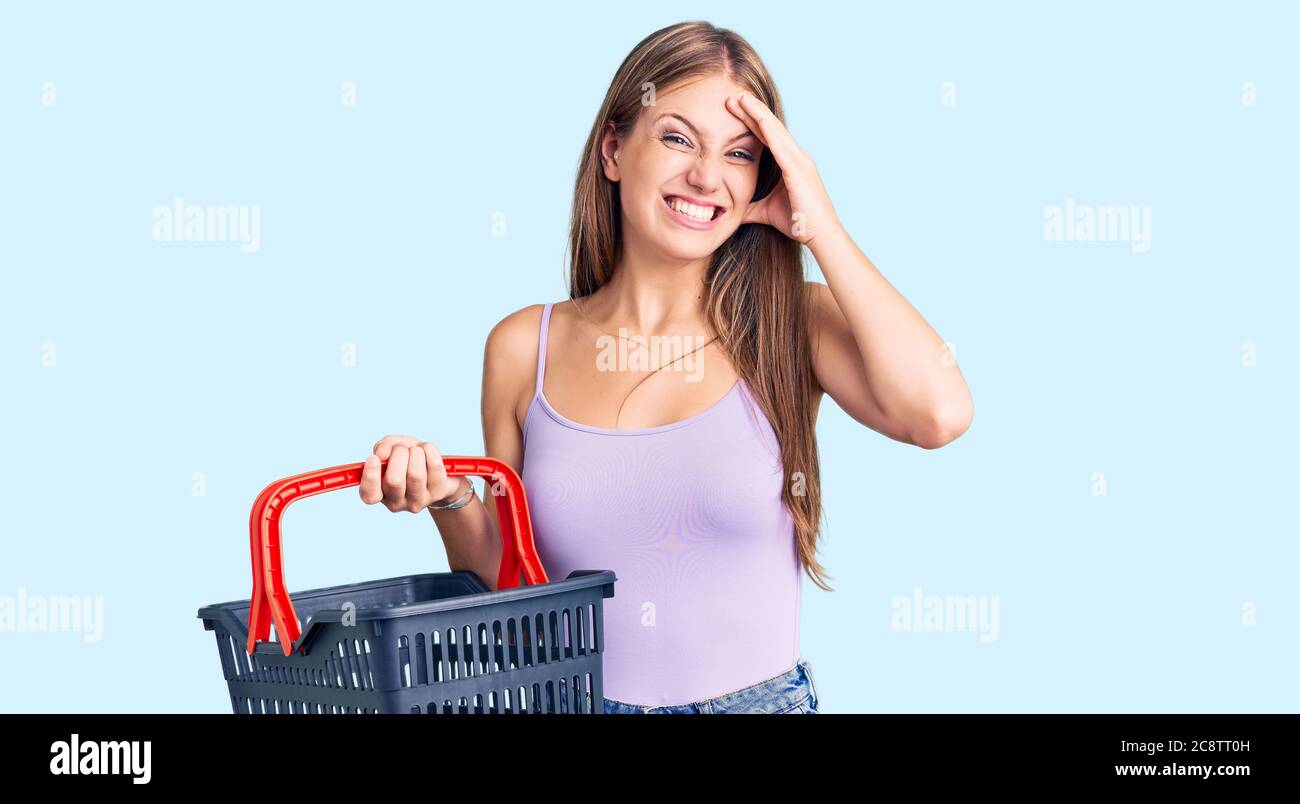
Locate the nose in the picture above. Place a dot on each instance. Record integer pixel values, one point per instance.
(705, 176)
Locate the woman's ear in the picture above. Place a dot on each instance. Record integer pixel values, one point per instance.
(609, 152)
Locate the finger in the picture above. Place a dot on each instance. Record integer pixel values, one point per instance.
(733, 105)
(384, 446)
(370, 493)
(435, 469)
(417, 491)
(394, 484)
(771, 130)
(764, 135)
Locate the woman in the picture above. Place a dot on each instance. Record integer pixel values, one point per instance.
(691, 471)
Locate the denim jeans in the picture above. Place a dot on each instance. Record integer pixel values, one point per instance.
(791, 693)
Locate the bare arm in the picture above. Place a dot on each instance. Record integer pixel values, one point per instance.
(415, 474)
(472, 538)
(472, 535)
(872, 351)
(878, 358)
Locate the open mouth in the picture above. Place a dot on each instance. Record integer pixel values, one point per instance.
(693, 212)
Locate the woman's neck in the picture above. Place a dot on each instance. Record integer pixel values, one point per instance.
(651, 297)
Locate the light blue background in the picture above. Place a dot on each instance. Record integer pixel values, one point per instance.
(178, 358)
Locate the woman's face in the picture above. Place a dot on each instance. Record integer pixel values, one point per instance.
(687, 171)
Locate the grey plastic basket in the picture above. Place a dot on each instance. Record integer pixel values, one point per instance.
(437, 643)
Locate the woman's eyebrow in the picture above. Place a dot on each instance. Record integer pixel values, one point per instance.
(696, 132)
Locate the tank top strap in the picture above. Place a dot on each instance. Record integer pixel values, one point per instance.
(541, 349)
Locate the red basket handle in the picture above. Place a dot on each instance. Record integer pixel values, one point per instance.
(270, 599)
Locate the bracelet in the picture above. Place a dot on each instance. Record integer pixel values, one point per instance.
(459, 502)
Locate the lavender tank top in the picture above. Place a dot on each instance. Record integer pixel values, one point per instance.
(689, 516)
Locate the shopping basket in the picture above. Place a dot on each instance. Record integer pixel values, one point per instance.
(436, 643)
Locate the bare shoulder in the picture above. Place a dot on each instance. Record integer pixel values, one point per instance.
(516, 333)
(820, 298)
(510, 362)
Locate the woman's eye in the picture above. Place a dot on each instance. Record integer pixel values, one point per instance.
(678, 139)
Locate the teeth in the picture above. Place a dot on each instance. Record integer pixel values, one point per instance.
(701, 214)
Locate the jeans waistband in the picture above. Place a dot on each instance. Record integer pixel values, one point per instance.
(780, 692)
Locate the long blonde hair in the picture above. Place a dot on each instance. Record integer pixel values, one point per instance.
(755, 293)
